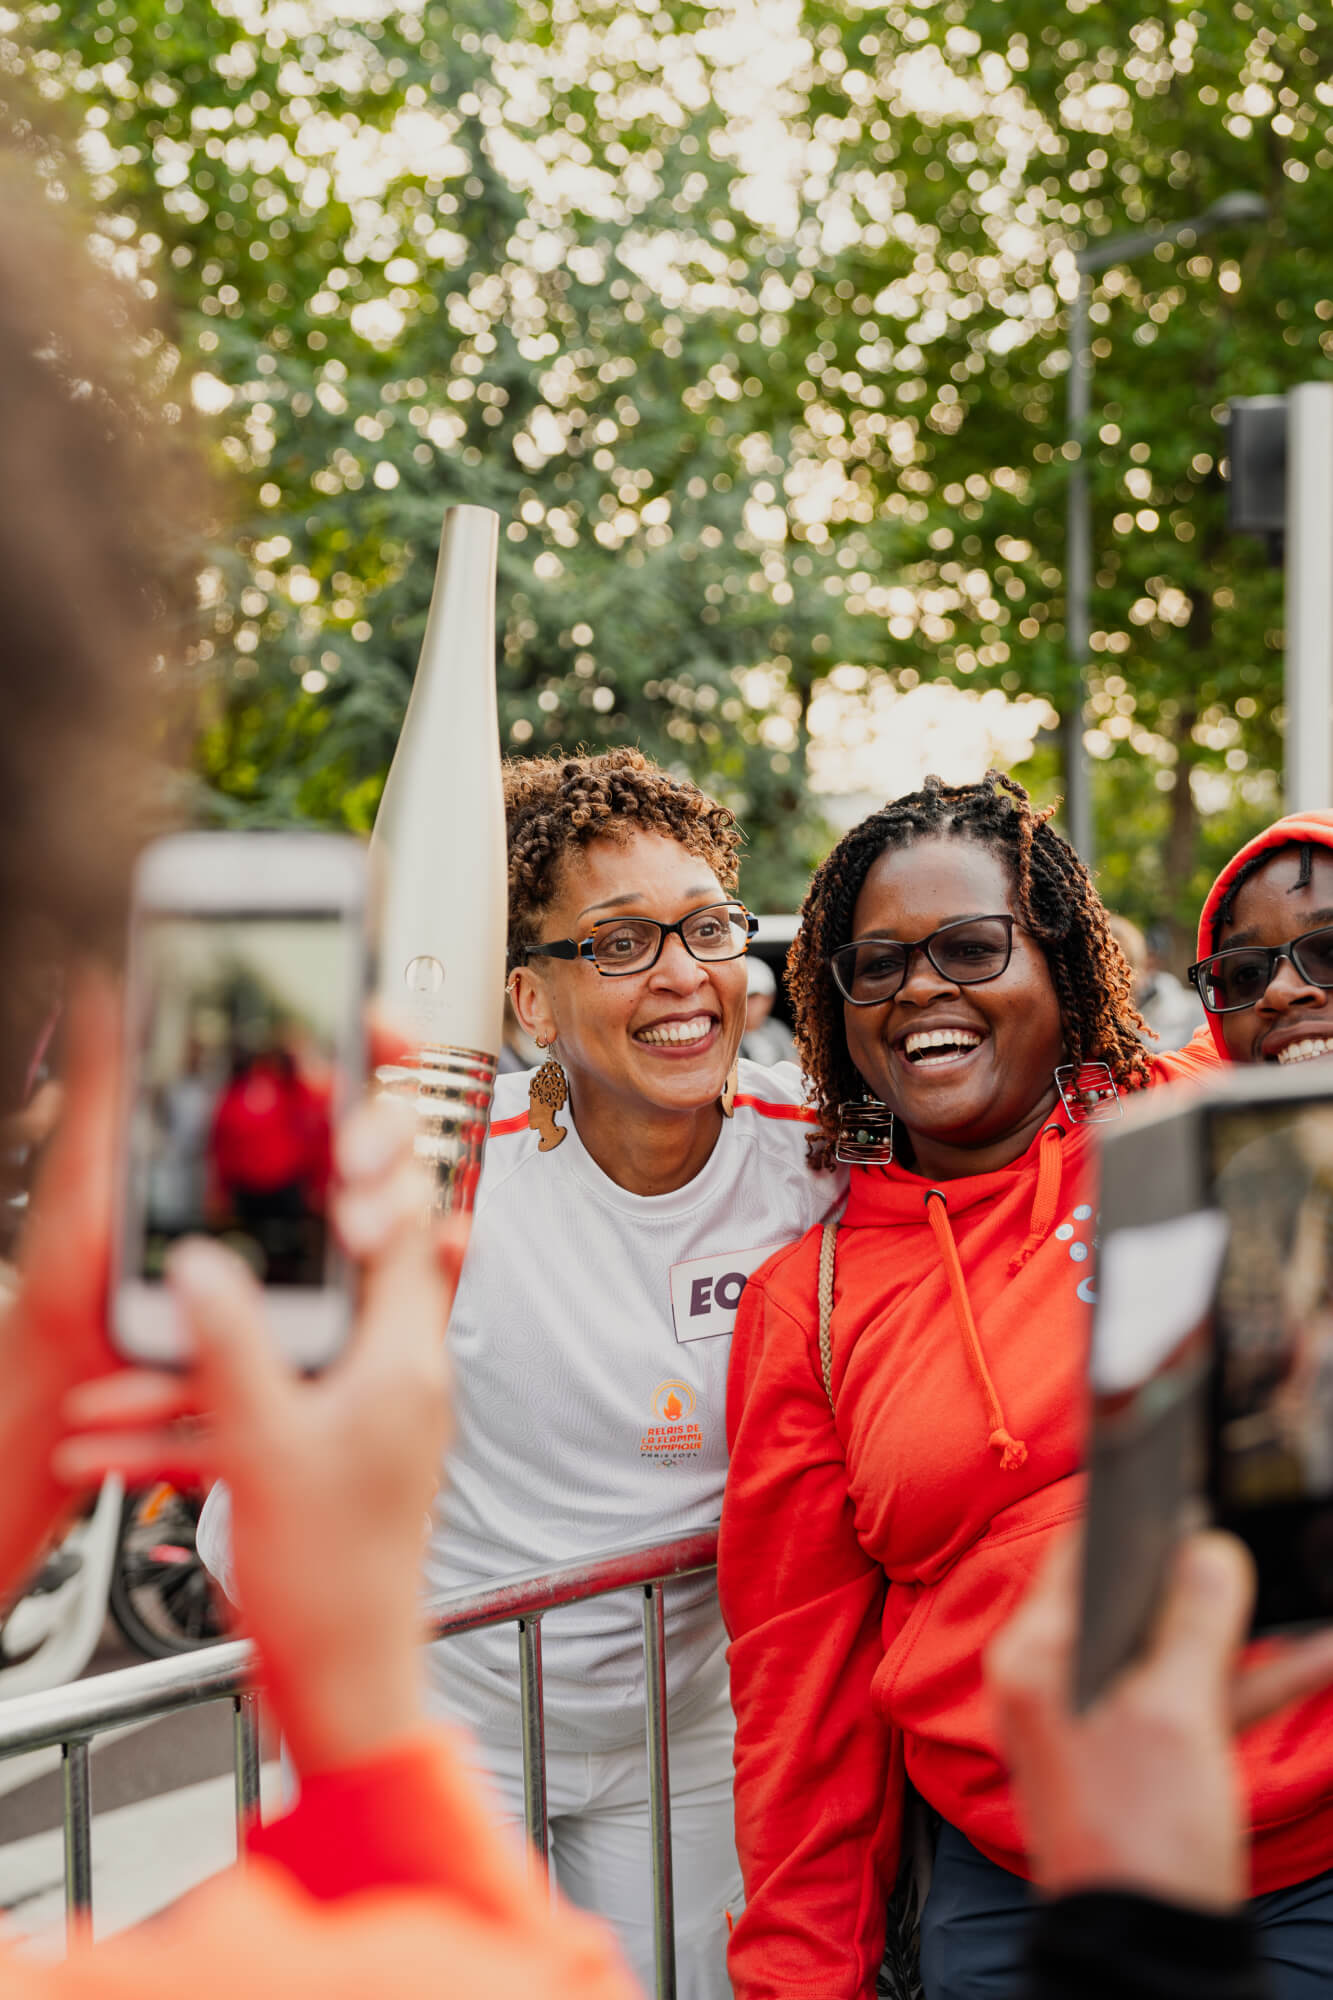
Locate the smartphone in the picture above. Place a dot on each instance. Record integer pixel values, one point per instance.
(245, 1026)
(1212, 1352)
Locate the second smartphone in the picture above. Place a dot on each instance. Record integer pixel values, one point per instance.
(245, 1021)
(1212, 1350)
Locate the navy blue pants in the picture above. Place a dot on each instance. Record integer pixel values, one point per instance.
(975, 1923)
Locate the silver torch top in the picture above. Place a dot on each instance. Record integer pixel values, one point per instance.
(440, 840)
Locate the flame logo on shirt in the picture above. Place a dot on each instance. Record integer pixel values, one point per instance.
(673, 1401)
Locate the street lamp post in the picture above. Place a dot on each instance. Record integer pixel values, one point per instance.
(1228, 211)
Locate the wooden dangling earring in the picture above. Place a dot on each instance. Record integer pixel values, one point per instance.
(728, 1098)
(548, 1093)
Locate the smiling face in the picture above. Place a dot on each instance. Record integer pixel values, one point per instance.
(661, 1041)
(1291, 1021)
(967, 1068)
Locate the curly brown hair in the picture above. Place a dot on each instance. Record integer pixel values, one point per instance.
(556, 805)
(1053, 896)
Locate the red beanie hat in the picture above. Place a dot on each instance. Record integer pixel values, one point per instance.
(1313, 829)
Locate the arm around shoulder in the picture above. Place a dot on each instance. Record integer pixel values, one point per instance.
(1199, 1058)
(818, 1787)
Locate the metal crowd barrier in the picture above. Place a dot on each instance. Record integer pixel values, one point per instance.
(67, 1718)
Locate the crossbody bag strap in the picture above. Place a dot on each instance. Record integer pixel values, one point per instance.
(828, 1252)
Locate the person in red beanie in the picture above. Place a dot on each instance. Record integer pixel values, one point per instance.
(906, 1410)
(1265, 968)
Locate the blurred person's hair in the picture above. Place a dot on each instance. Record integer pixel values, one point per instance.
(759, 978)
(1130, 940)
(96, 576)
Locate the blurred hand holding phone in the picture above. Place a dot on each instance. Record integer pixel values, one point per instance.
(329, 1475)
(247, 984)
(1212, 1353)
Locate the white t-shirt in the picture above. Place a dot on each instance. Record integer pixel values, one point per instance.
(590, 1339)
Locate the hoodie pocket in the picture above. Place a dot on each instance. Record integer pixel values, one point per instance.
(929, 1683)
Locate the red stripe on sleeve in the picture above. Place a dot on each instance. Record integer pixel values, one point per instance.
(521, 1120)
(800, 1112)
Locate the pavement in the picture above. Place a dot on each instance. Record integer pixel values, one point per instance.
(163, 1818)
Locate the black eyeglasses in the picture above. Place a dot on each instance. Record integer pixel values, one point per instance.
(1230, 980)
(621, 945)
(966, 952)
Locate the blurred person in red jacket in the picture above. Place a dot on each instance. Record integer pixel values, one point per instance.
(269, 1143)
(389, 1867)
(268, 1163)
(891, 1493)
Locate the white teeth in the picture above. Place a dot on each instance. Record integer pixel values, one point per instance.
(1296, 1052)
(955, 1040)
(677, 1031)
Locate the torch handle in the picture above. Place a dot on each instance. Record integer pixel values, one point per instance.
(450, 1091)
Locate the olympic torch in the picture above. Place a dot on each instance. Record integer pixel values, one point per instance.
(440, 838)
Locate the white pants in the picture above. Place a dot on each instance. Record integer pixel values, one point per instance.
(601, 1843)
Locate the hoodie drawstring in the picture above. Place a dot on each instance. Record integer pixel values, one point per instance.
(1047, 1198)
(1013, 1452)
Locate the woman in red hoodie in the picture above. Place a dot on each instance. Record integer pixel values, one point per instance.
(878, 1532)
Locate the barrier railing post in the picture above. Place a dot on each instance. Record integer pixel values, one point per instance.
(245, 1757)
(532, 1715)
(77, 1803)
(659, 1790)
(67, 1718)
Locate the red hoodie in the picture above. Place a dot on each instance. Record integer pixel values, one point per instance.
(868, 1558)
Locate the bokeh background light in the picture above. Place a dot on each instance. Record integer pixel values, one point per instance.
(751, 320)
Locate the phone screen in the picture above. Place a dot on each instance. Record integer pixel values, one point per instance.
(1272, 1431)
(241, 1024)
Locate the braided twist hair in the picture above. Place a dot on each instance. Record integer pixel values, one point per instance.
(556, 805)
(1053, 898)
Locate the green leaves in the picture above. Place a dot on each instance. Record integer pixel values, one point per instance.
(1006, 136)
(444, 256)
(758, 348)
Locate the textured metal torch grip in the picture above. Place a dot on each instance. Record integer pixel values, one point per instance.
(450, 1090)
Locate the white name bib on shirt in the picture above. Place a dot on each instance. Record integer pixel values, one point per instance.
(705, 1291)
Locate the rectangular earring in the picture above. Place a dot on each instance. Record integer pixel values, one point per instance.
(865, 1133)
(1088, 1092)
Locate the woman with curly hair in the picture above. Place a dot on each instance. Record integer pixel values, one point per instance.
(630, 1186)
(906, 1407)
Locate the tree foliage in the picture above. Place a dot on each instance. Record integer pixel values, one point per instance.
(447, 256)
(969, 150)
(756, 338)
